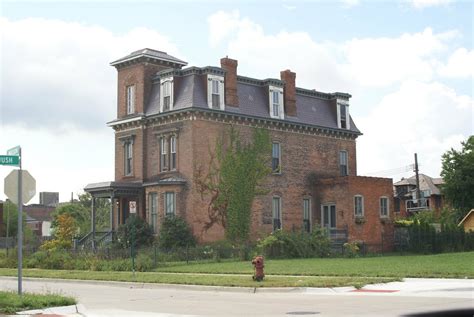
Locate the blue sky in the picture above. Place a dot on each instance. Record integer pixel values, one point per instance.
(408, 64)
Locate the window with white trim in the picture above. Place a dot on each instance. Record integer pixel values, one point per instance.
(163, 154)
(343, 163)
(170, 204)
(172, 152)
(343, 119)
(153, 211)
(276, 212)
(359, 205)
(383, 207)
(215, 92)
(276, 108)
(130, 99)
(166, 93)
(128, 158)
(307, 214)
(276, 158)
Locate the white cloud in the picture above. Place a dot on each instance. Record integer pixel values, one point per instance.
(56, 73)
(350, 3)
(384, 61)
(57, 93)
(427, 118)
(460, 64)
(64, 162)
(421, 4)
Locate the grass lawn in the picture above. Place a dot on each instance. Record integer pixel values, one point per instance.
(447, 265)
(203, 279)
(10, 302)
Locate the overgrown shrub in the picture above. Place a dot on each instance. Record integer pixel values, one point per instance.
(351, 249)
(175, 233)
(282, 244)
(139, 228)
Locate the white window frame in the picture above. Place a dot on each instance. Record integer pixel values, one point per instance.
(329, 206)
(163, 82)
(343, 103)
(130, 99)
(362, 206)
(308, 199)
(173, 156)
(153, 212)
(347, 162)
(220, 81)
(387, 206)
(128, 154)
(278, 170)
(165, 203)
(274, 211)
(281, 113)
(164, 164)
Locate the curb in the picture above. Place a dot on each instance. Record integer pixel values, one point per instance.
(141, 285)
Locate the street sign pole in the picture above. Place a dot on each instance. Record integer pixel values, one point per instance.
(20, 228)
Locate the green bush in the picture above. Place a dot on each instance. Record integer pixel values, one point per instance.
(175, 233)
(141, 231)
(281, 244)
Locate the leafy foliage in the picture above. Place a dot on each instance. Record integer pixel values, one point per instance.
(458, 174)
(10, 218)
(281, 244)
(65, 231)
(235, 176)
(81, 213)
(175, 233)
(141, 231)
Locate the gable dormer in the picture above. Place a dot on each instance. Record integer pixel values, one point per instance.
(135, 73)
(276, 102)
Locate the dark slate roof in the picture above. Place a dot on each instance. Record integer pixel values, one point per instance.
(190, 91)
(153, 54)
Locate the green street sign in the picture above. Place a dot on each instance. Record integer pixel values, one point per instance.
(14, 151)
(11, 160)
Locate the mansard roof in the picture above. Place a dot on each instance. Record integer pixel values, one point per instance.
(190, 91)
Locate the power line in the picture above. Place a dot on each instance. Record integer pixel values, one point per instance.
(394, 171)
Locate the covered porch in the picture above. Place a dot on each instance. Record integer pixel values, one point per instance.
(125, 198)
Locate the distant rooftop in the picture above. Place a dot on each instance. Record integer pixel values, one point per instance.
(151, 54)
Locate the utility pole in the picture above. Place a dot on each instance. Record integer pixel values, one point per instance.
(418, 192)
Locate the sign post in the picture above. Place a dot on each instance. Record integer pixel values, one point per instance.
(19, 187)
(133, 210)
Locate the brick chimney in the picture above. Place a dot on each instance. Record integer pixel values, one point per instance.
(289, 92)
(230, 67)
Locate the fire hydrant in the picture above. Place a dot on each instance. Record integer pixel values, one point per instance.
(258, 264)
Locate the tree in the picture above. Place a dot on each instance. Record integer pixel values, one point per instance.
(458, 175)
(10, 218)
(141, 231)
(81, 213)
(234, 179)
(65, 231)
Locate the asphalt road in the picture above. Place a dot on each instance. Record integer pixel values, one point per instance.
(129, 299)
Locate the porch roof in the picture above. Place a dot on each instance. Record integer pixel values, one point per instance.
(116, 189)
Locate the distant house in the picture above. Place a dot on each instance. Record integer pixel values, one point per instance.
(406, 201)
(39, 218)
(468, 221)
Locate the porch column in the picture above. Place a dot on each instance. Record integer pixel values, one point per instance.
(112, 204)
(93, 222)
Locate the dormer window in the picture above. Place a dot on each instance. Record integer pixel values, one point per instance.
(343, 119)
(130, 99)
(276, 103)
(166, 94)
(215, 92)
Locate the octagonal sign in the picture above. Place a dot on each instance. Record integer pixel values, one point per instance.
(28, 186)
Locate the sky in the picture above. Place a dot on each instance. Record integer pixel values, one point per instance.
(408, 64)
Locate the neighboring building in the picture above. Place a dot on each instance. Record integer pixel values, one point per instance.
(406, 202)
(50, 199)
(168, 121)
(468, 221)
(39, 218)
